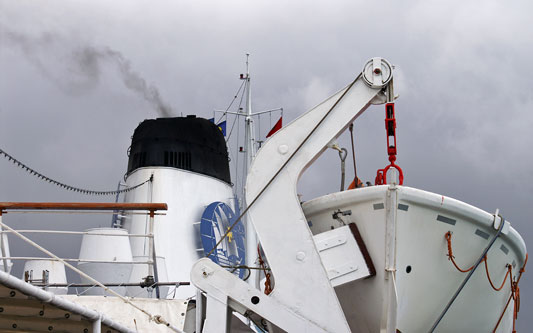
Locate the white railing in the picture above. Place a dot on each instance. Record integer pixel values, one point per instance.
(149, 209)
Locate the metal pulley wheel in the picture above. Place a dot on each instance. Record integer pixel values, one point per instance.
(377, 72)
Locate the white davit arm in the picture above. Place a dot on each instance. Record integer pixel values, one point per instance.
(301, 282)
(303, 299)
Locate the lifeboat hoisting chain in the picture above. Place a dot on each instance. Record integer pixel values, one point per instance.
(390, 127)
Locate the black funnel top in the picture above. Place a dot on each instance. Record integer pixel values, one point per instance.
(186, 143)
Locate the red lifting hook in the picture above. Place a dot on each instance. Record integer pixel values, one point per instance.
(390, 126)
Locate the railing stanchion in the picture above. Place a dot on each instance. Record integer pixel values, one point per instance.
(152, 253)
(3, 245)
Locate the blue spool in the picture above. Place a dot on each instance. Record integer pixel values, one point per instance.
(216, 220)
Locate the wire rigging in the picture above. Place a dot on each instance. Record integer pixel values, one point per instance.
(237, 154)
(236, 117)
(65, 186)
(231, 103)
(236, 121)
(353, 156)
(283, 165)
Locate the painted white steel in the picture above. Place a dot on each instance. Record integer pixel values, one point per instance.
(97, 325)
(377, 72)
(176, 238)
(224, 291)
(56, 273)
(139, 272)
(278, 209)
(341, 256)
(104, 245)
(251, 237)
(389, 312)
(65, 302)
(173, 311)
(423, 292)
(364, 306)
(5, 264)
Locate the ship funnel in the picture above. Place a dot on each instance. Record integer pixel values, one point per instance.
(186, 159)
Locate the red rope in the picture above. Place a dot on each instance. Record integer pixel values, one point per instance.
(268, 284)
(451, 257)
(509, 268)
(515, 290)
(501, 316)
(515, 295)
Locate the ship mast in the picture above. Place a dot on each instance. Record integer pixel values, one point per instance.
(250, 151)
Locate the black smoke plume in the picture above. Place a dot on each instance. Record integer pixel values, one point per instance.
(85, 65)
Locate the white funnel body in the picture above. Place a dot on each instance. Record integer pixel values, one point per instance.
(177, 235)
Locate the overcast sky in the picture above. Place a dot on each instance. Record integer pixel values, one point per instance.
(76, 77)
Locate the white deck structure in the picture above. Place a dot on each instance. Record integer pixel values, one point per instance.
(372, 259)
(403, 230)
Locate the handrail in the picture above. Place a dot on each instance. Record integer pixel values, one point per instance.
(64, 232)
(149, 262)
(77, 206)
(152, 207)
(86, 285)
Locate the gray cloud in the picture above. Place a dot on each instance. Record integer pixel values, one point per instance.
(464, 113)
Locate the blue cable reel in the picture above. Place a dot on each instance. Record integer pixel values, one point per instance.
(217, 218)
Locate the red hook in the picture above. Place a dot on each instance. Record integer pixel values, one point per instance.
(390, 126)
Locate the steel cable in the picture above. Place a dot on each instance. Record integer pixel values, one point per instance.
(232, 101)
(283, 166)
(353, 156)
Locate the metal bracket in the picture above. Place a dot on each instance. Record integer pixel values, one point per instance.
(498, 219)
(225, 291)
